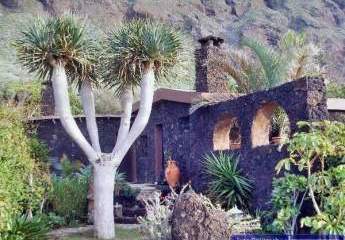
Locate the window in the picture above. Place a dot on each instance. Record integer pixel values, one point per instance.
(227, 134)
(270, 125)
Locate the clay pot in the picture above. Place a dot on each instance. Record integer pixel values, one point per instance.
(234, 146)
(172, 173)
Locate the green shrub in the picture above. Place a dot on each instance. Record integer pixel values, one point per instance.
(227, 185)
(120, 182)
(288, 195)
(53, 220)
(336, 90)
(75, 102)
(325, 181)
(38, 149)
(23, 228)
(23, 178)
(68, 196)
(23, 94)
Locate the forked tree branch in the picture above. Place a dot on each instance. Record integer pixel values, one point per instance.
(88, 102)
(142, 118)
(126, 106)
(63, 110)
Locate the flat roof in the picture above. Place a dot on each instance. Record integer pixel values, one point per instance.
(336, 104)
(191, 97)
(53, 117)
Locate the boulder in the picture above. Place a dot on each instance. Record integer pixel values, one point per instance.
(194, 218)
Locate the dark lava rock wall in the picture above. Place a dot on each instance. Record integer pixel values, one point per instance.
(303, 99)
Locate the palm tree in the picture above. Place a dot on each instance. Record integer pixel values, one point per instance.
(293, 58)
(136, 54)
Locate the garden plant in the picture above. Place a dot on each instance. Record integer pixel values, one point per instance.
(317, 155)
(227, 184)
(136, 54)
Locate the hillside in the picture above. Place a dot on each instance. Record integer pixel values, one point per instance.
(323, 20)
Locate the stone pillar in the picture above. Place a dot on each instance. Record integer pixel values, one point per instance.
(210, 76)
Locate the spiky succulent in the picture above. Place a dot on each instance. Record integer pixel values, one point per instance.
(135, 44)
(226, 183)
(62, 39)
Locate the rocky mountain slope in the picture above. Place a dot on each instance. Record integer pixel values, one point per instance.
(323, 20)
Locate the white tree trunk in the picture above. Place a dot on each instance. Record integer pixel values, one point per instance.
(104, 177)
(63, 110)
(126, 106)
(88, 102)
(142, 118)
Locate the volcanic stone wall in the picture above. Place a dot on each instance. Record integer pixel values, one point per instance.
(50, 131)
(187, 133)
(173, 119)
(303, 99)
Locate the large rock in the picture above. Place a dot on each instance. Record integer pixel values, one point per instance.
(194, 219)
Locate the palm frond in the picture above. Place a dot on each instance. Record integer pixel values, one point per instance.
(136, 43)
(273, 66)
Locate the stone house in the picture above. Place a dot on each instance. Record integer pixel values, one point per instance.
(186, 125)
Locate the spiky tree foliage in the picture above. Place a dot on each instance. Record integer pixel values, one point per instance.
(136, 44)
(60, 39)
(227, 184)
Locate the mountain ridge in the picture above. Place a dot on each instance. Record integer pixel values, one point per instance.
(266, 20)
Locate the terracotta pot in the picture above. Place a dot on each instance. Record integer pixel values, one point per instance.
(172, 173)
(234, 146)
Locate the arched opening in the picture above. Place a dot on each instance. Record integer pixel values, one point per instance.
(270, 125)
(227, 134)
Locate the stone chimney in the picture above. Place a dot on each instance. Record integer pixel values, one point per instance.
(210, 76)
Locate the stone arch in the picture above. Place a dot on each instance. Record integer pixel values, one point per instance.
(226, 133)
(270, 125)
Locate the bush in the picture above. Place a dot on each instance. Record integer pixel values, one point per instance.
(324, 181)
(156, 224)
(336, 90)
(227, 185)
(288, 195)
(24, 179)
(23, 228)
(68, 197)
(23, 94)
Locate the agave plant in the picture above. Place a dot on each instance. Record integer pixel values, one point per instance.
(227, 185)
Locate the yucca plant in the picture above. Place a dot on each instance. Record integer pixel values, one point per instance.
(279, 123)
(227, 185)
